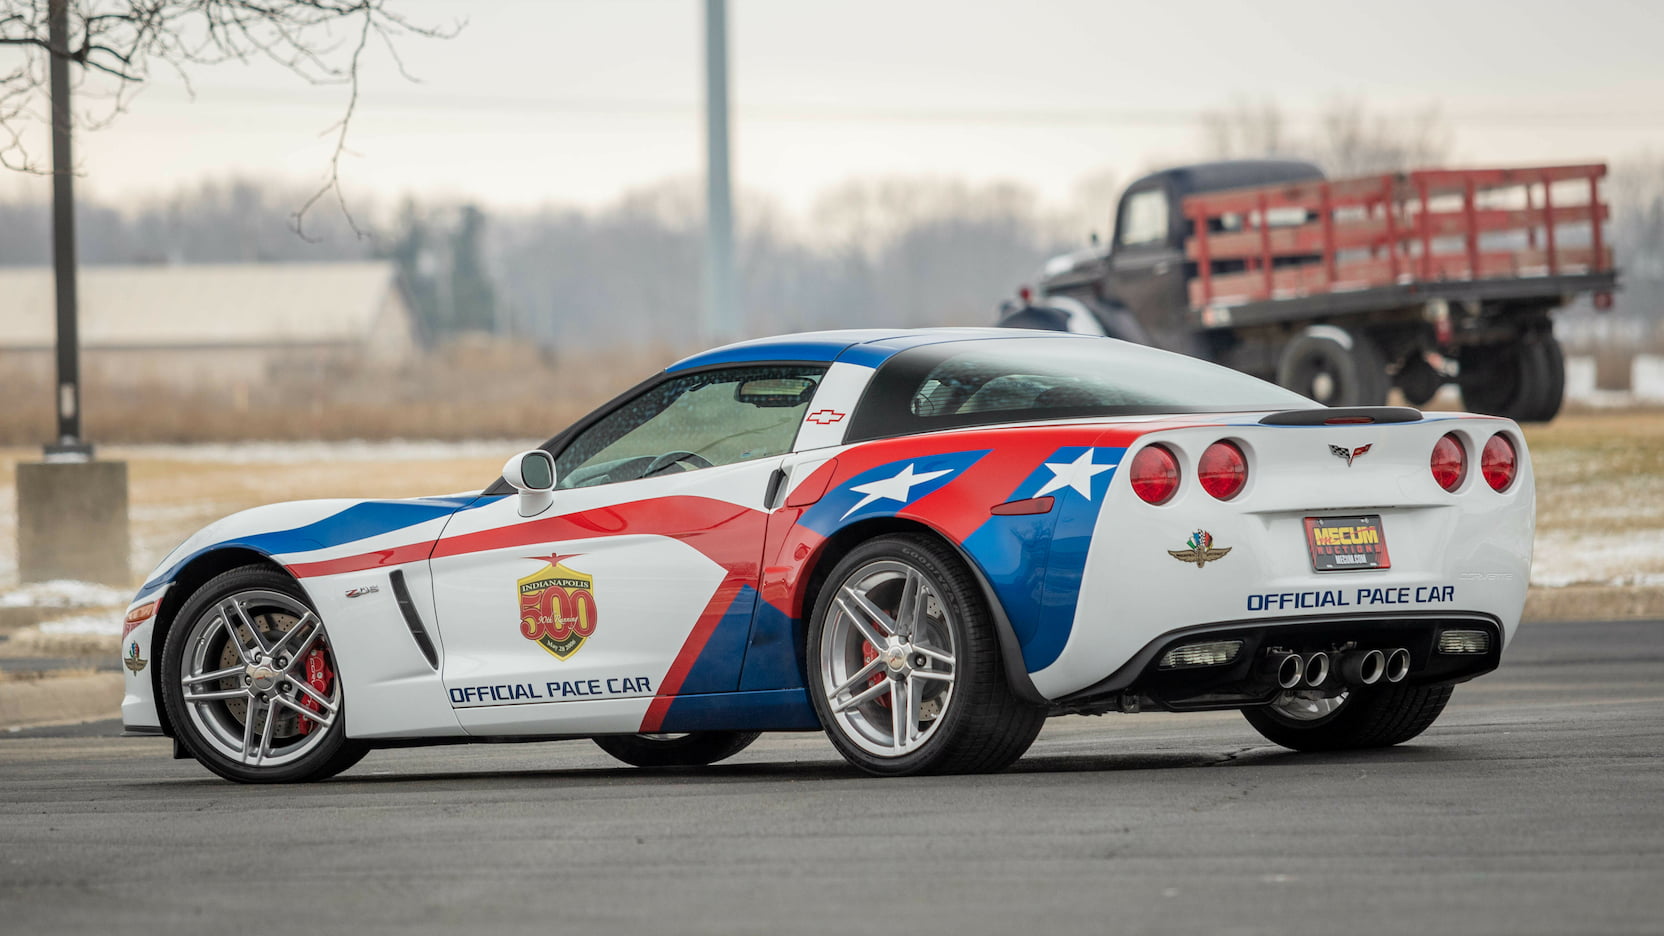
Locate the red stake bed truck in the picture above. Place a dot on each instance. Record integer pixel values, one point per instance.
(1341, 289)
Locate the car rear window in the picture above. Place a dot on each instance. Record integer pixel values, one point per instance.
(1010, 380)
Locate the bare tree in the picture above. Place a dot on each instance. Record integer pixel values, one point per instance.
(1352, 141)
(1247, 130)
(119, 43)
(1347, 138)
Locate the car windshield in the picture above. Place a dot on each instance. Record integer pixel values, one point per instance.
(1011, 380)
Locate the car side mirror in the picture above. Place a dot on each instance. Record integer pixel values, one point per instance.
(533, 475)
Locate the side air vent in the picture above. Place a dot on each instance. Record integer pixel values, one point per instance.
(413, 620)
(1343, 416)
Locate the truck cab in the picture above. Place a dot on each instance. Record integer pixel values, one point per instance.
(1136, 285)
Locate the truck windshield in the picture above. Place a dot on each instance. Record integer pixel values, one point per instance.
(1011, 380)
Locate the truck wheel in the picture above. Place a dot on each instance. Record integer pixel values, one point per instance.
(1419, 380)
(1523, 380)
(1334, 366)
(1553, 391)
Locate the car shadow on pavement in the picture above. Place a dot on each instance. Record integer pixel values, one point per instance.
(371, 774)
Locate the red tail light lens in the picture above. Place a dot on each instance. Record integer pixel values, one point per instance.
(1155, 475)
(1498, 462)
(1449, 462)
(1223, 470)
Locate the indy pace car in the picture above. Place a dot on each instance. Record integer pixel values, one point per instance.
(922, 542)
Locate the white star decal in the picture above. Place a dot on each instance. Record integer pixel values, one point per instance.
(898, 488)
(1077, 474)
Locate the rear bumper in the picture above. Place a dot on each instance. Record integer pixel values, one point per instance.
(1461, 553)
(1241, 682)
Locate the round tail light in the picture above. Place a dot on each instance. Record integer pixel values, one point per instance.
(1155, 475)
(1449, 462)
(1498, 462)
(1223, 470)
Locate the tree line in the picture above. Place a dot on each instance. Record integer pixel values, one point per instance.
(889, 252)
(875, 252)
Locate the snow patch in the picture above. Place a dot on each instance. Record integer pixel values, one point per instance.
(96, 625)
(63, 593)
(1562, 559)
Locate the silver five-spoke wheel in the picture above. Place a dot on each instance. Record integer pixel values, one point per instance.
(251, 681)
(888, 653)
(259, 682)
(905, 667)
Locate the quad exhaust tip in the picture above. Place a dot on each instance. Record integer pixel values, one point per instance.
(1317, 669)
(1398, 665)
(1363, 668)
(1289, 671)
(1357, 668)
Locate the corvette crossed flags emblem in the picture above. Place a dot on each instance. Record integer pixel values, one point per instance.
(1346, 454)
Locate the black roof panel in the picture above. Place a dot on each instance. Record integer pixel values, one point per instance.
(1232, 174)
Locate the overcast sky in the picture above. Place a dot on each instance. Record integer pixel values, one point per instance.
(576, 101)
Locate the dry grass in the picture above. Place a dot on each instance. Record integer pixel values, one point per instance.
(1600, 472)
(457, 392)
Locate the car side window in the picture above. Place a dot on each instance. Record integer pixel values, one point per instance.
(690, 422)
(1144, 218)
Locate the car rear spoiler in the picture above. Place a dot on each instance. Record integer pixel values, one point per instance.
(1343, 416)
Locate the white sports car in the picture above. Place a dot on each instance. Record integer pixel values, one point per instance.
(922, 542)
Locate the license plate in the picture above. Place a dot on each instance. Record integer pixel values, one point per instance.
(1347, 544)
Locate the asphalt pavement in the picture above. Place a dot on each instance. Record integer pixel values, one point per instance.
(1534, 805)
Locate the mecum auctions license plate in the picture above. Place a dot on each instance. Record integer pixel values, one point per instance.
(1347, 544)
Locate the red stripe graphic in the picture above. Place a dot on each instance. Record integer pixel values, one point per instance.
(397, 555)
(691, 648)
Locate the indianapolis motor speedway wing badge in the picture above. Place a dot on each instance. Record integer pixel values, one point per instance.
(1200, 549)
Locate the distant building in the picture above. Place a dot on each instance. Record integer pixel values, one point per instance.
(210, 325)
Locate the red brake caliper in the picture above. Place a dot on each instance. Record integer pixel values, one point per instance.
(318, 676)
(869, 653)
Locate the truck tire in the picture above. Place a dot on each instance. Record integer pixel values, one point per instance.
(1419, 380)
(1524, 380)
(1334, 366)
(1553, 391)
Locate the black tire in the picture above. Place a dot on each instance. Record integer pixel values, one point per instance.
(688, 750)
(979, 724)
(1524, 380)
(1553, 391)
(322, 757)
(1372, 717)
(1418, 380)
(1334, 366)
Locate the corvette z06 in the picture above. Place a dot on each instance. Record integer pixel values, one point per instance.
(923, 543)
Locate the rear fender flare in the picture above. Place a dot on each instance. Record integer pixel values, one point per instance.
(1011, 651)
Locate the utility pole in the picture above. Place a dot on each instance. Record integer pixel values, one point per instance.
(69, 443)
(721, 318)
(71, 510)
